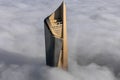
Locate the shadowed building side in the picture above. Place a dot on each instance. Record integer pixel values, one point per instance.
(56, 38)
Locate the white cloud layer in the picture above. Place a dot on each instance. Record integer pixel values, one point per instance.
(93, 40)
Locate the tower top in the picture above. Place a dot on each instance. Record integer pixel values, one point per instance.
(56, 38)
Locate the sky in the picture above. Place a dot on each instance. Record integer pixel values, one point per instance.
(93, 40)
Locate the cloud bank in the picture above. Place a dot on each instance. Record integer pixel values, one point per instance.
(93, 40)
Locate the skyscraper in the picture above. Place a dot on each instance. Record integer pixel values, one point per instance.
(56, 38)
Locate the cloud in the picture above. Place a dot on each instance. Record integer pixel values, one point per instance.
(93, 40)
